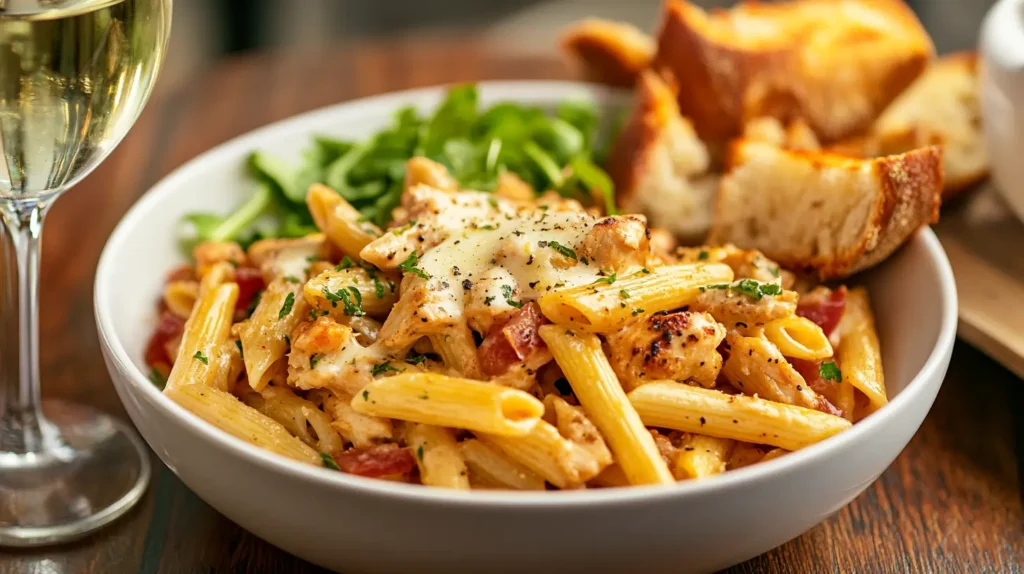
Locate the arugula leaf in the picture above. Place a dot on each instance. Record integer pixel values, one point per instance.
(546, 163)
(595, 178)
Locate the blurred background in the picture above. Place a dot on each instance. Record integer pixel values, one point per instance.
(205, 30)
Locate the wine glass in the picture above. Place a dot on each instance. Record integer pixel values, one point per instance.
(74, 75)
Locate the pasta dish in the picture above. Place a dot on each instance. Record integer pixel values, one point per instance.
(502, 340)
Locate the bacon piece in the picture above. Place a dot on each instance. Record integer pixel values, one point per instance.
(250, 282)
(167, 329)
(811, 372)
(823, 306)
(514, 342)
(376, 461)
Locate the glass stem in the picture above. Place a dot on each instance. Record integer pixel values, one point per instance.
(21, 425)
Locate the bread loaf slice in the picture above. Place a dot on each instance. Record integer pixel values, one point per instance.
(836, 64)
(607, 52)
(827, 214)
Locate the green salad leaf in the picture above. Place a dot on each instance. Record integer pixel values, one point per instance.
(561, 151)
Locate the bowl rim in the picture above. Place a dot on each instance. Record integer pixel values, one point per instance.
(368, 487)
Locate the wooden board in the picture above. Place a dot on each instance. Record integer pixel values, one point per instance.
(985, 245)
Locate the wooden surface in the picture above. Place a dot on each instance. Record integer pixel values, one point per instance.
(950, 503)
(984, 241)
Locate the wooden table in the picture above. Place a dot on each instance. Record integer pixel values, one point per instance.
(950, 503)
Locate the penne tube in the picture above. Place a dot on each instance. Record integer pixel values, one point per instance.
(678, 406)
(351, 292)
(585, 366)
(860, 356)
(265, 335)
(611, 477)
(702, 456)
(298, 415)
(489, 468)
(216, 274)
(798, 337)
(437, 455)
(451, 402)
(544, 451)
(606, 307)
(206, 331)
(342, 223)
(180, 297)
(458, 350)
(227, 413)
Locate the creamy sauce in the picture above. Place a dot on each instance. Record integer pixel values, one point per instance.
(528, 245)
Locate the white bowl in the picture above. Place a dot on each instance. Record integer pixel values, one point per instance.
(1002, 97)
(361, 525)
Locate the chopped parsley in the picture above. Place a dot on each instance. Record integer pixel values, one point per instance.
(645, 271)
(563, 387)
(157, 378)
(378, 287)
(415, 359)
(366, 395)
(329, 461)
(637, 311)
(608, 279)
(288, 341)
(492, 202)
(561, 249)
(312, 258)
(506, 290)
(313, 314)
(346, 262)
(419, 453)
(238, 343)
(703, 255)
(289, 302)
(313, 360)
(409, 266)
(749, 287)
(381, 368)
(830, 372)
(623, 294)
(354, 303)
(774, 271)
(199, 356)
(488, 300)
(292, 279)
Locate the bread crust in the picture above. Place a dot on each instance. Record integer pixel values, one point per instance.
(907, 189)
(607, 52)
(836, 73)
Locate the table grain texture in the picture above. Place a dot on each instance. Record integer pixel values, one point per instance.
(951, 502)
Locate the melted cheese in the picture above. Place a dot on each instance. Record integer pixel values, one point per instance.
(522, 244)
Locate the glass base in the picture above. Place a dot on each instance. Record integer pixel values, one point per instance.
(90, 470)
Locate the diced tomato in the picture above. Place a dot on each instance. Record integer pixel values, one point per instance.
(513, 342)
(250, 282)
(376, 461)
(824, 308)
(168, 328)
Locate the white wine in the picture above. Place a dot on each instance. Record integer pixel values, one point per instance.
(74, 75)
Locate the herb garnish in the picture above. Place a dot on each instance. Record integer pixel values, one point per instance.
(313, 360)
(563, 250)
(608, 279)
(157, 378)
(506, 290)
(289, 302)
(830, 372)
(199, 356)
(623, 294)
(409, 266)
(749, 287)
(329, 461)
(381, 368)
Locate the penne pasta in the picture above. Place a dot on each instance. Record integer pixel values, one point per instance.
(227, 413)
(602, 307)
(451, 402)
(799, 338)
(437, 455)
(206, 331)
(341, 223)
(860, 357)
(352, 292)
(702, 456)
(544, 451)
(490, 468)
(585, 366)
(301, 417)
(361, 430)
(679, 406)
(458, 350)
(265, 336)
(180, 297)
